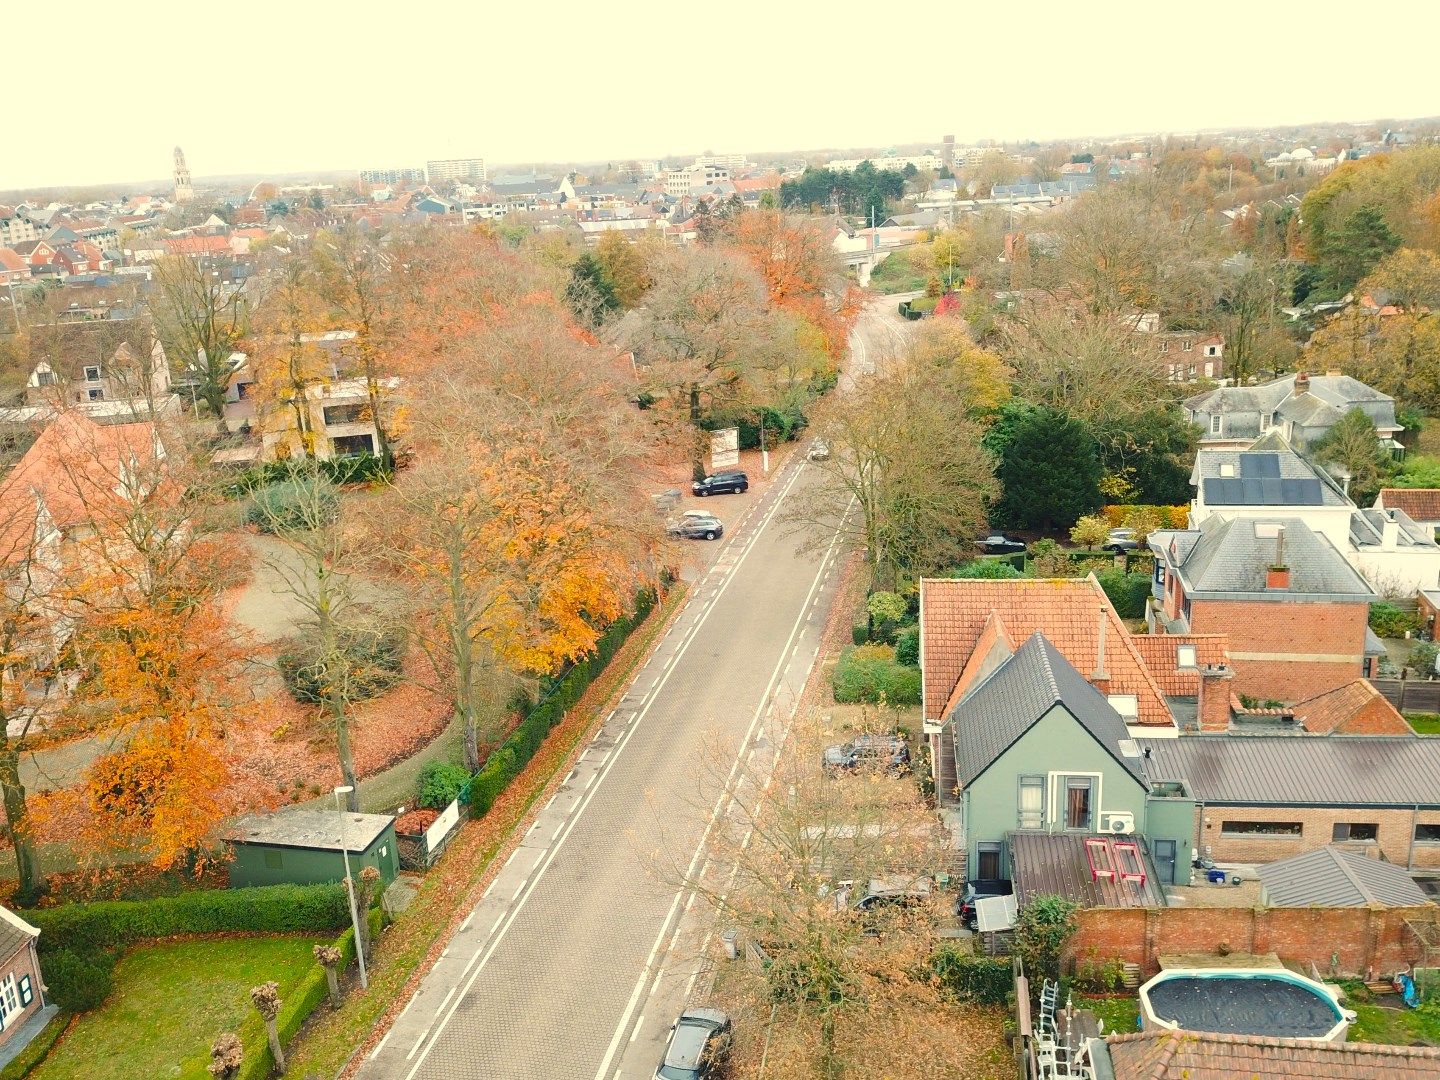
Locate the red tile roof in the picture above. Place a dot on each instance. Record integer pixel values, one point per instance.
(1355, 708)
(1162, 656)
(10, 261)
(198, 245)
(1068, 611)
(1422, 504)
(1170, 1055)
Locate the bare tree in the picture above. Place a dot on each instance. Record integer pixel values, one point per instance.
(328, 957)
(266, 999)
(200, 317)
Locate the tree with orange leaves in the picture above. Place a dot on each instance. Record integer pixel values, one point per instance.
(284, 358)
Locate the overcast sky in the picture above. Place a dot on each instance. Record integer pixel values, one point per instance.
(265, 87)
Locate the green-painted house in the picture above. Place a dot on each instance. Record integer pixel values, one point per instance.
(307, 847)
(1041, 753)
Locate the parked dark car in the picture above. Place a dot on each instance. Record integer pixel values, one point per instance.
(999, 544)
(721, 483)
(975, 889)
(891, 751)
(699, 1044)
(696, 525)
(1120, 540)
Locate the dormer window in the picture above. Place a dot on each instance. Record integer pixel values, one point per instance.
(1264, 421)
(1215, 424)
(92, 373)
(1127, 705)
(1185, 656)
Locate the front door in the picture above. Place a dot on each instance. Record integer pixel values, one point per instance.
(1165, 860)
(989, 867)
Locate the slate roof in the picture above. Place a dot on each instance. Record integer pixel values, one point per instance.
(1421, 504)
(1314, 770)
(15, 934)
(1068, 611)
(313, 829)
(1232, 556)
(1335, 877)
(1003, 707)
(1194, 1055)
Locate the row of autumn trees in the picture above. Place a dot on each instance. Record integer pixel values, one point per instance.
(521, 528)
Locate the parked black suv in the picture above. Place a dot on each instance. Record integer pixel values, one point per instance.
(721, 483)
(975, 889)
(891, 751)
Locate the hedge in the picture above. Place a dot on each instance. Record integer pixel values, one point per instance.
(356, 469)
(110, 924)
(1128, 592)
(986, 980)
(871, 674)
(440, 783)
(505, 763)
(300, 1001)
(1170, 517)
(1389, 621)
(288, 505)
(907, 646)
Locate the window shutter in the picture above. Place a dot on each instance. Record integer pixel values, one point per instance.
(26, 994)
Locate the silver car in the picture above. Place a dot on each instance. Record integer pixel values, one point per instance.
(699, 1043)
(696, 525)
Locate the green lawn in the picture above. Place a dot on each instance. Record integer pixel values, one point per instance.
(1424, 723)
(1119, 1013)
(1399, 1027)
(898, 274)
(169, 1003)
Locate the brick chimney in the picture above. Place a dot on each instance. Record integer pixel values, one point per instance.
(1302, 383)
(1213, 708)
(1277, 575)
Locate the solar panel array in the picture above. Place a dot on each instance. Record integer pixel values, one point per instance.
(1271, 491)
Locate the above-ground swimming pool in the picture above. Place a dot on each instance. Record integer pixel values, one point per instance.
(1244, 1001)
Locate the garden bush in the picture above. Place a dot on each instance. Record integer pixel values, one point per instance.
(1387, 620)
(287, 505)
(1128, 592)
(440, 783)
(505, 763)
(374, 658)
(354, 469)
(985, 980)
(78, 981)
(870, 674)
(989, 569)
(907, 646)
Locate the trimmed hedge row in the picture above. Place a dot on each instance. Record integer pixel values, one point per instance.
(357, 469)
(299, 1002)
(505, 763)
(116, 924)
(986, 980)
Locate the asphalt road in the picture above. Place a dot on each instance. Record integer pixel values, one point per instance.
(556, 971)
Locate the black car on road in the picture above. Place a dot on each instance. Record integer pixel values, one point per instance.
(722, 483)
(699, 1043)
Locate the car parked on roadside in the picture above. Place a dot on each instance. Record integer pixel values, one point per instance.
(1120, 540)
(696, 525)
(976, 889)
(1000, 544)
(731, 482)
(889, 751)
(698, 1046)
(819, 450)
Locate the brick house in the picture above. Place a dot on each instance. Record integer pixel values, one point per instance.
(22, 993)
(1262, 798)
(1421, 505)
(1185, 356)
(1295, 611)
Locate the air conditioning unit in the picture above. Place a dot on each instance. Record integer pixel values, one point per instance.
(1120, 823)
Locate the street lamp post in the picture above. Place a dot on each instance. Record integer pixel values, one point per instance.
(350, 890)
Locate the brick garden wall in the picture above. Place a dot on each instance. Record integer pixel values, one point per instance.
(1345, 940)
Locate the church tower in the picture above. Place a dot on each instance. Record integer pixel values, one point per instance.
(184, 192)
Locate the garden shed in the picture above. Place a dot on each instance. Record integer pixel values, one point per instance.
(307, 847)
(1334, 877)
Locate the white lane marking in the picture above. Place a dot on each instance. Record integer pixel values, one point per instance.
(497, 936)
(781, 666)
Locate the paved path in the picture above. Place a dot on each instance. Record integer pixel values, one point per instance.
(551, 975)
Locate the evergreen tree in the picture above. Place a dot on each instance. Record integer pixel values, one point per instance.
(1049, 466)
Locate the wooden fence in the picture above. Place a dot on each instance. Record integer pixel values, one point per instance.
(1411, 695)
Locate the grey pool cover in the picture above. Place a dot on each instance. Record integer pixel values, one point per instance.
(1243, 1006)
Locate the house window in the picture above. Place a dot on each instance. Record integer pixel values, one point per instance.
(45, 378)
(1427, 832)
(95, 394)
(1215, 424)
(1353, 830)
(989, 861)
(1264, 421)
(92, 374)
(1185, 656)
(343, 414)
(1159, 573)
(1192, 371)
(1164, 346)
(273, 861)
(1212, 350)
(1079, 802)
(9, 998)
(1032, 802)
(1260, 828)
(1187, 345)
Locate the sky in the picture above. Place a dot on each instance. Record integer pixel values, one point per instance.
(260, 87)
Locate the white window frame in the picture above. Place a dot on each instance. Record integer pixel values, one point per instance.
(1055, 811)
(9, 998)
(88, 369)
(1215, 424)
(1264, 421)
(1187, 345)
(1185, 656)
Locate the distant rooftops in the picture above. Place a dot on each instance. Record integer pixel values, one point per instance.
(1230, 559)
